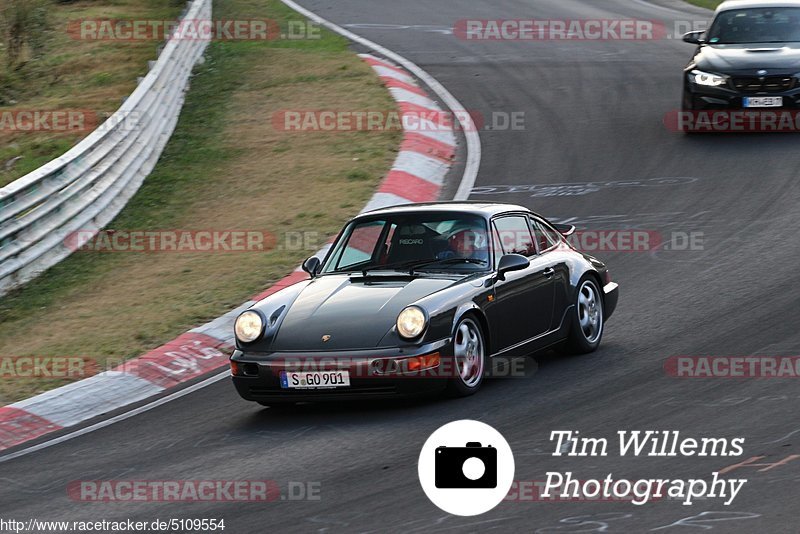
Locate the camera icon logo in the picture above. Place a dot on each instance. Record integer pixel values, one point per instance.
(466, 468)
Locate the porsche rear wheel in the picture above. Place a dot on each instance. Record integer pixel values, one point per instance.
(588, 321)
(469, 354)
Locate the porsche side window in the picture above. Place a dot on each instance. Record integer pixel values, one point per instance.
(546, 238)
(496, 246)
(361, 244)
(515, 235)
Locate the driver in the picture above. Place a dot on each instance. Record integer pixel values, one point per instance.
(468, 243)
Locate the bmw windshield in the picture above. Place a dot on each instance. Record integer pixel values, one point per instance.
(756, 26)
(412, 242)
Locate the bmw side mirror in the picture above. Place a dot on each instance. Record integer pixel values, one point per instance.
(511, 262)
(694, 38)
(311, 266)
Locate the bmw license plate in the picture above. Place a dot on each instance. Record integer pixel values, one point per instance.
(763, 101)
(315, 379)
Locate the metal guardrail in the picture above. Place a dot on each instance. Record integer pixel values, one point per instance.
(86, 188)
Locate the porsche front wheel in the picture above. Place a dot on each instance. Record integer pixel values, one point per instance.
(469, 354)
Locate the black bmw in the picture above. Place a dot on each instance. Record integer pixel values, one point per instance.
(748, 59)
(417, 298)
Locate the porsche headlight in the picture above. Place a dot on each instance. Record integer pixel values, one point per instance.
(411, 322)
(249, 326)
(706, 78)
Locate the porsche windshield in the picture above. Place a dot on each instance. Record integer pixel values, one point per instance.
(412, 242)
(756, 25)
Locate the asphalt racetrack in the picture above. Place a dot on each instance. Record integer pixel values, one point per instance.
(594, 152)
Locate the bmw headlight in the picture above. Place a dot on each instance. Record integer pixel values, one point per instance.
(706, 78)
(411, 322)
(249, 326)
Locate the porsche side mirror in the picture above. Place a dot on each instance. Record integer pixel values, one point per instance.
(565, 229)
(311, 266)
(511, 262)
(694, 37)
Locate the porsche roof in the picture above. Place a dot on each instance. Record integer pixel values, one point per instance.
(485, 209)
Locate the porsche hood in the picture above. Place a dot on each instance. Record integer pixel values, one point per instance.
(340, 312)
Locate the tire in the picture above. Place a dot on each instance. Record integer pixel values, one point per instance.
(687, 131)
(469, 353)
(687, 106)
(588, 319)
(687, 102)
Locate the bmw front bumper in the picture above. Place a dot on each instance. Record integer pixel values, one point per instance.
(698, 97)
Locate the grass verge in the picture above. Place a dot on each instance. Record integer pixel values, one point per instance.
(225, 168)
(72, 74)
(708, 4)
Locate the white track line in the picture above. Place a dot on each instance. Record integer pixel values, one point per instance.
(471, 135)
(121, 417)
(464, 189)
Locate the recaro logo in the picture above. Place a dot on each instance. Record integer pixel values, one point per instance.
(411, 242)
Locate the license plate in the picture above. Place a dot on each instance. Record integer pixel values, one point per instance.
(315, 379)
(763, 102)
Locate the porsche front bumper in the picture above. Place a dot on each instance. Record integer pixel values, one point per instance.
(373, 373)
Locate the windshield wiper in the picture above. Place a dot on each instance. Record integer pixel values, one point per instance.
(399, 266)
(449, 261)
(412, 266)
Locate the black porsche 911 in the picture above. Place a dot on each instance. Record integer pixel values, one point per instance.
(417, 298)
